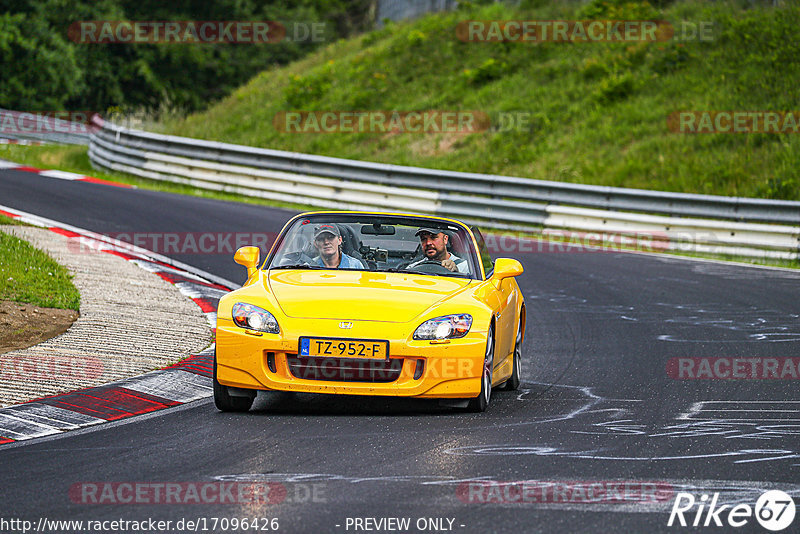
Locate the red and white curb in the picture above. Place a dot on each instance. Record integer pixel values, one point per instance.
(61, 175)
(186, 381)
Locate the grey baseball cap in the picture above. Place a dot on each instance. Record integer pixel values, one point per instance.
(327, 228)
(432, 231)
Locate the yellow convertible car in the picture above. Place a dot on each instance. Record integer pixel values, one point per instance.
(363, 303)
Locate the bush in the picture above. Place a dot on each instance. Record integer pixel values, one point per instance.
(302, 91)
(489, 70)
(615, 88)
(618, 10)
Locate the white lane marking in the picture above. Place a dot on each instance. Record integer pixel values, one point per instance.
(158, 267)
(34, 420)
(197, 291)
(739, 411)
(62, 175)
(8, 164)
(51, 415)
(21, 429)
(173, 384)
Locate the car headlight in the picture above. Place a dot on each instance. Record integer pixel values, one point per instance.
(446, 327)
(254, 318)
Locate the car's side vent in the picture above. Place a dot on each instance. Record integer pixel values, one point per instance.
(271, 361)
(419, 369)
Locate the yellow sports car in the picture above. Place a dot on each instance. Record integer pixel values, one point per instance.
(364, 303)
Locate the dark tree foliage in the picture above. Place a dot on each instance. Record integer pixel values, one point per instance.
(43, 69)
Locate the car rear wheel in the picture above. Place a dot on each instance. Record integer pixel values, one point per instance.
(226, 402)
(481, 402)
(512, 384)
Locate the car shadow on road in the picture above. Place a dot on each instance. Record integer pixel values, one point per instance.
(287, 403)
(319, 404)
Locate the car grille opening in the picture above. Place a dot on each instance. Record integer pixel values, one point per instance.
(345, 369)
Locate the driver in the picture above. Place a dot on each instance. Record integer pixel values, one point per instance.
(328, 242)
(434, 247)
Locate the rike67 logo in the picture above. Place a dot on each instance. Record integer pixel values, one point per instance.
(774, 511)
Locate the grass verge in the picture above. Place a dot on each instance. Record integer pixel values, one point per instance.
(29, 275)
(11, 222)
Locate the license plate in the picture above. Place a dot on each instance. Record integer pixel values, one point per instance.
(372, 349)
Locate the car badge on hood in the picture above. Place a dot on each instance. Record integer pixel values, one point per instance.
(347, 325)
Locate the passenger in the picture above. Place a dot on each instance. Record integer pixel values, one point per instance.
(328, 242)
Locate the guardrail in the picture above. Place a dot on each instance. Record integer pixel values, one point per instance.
(28, 128)
(731, 225)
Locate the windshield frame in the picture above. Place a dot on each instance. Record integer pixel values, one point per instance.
(383, 218)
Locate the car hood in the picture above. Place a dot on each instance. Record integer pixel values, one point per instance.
(359, 295)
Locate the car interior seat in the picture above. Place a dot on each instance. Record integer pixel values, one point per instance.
(351, 244)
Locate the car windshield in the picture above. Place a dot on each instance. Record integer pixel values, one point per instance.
(376, 243)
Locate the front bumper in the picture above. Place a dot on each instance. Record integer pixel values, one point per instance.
(414, 369)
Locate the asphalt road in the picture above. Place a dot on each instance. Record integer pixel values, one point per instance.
(596, 407)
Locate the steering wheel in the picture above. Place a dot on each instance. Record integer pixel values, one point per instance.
(431, 266)
(294, 258)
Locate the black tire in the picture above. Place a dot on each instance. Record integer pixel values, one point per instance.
(512, 384)
(481, 402)
(224, 401)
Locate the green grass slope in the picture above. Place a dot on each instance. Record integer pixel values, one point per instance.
(29, 275)
(598, 110)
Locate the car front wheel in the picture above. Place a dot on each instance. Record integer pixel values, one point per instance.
(512, 384)
(481, 402)
(225, 402)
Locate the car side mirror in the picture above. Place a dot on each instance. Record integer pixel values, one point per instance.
(506, 268)
(248, 256)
